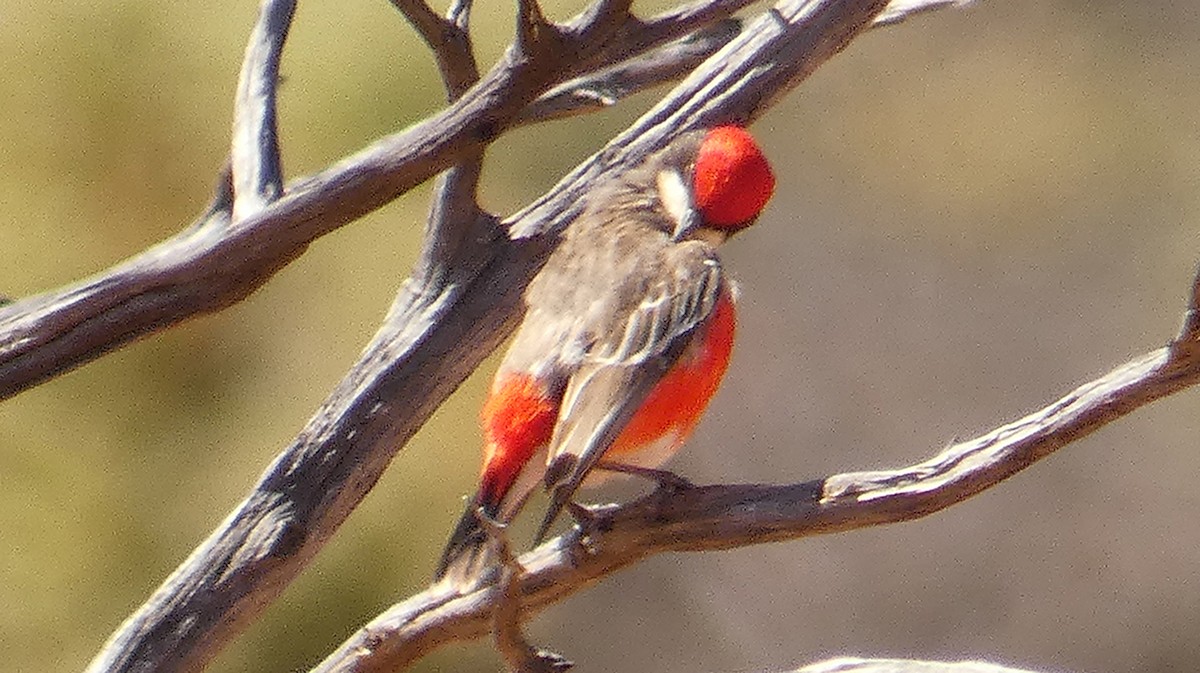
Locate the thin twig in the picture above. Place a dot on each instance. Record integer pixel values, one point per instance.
(605, 87)
(455, 212)
(1189, 332)
(257, 171)
(858, 665)
(459, 14)
(450, 41)
(641, 36)
(899, 10)
(422, 17)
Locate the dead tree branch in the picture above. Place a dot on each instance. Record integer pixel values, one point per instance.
(461, 302)
(724, 516)
(604, 88)
(857, 665)
(211, 265)
(257, 172)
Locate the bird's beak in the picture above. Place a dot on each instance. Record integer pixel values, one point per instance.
(686, 224)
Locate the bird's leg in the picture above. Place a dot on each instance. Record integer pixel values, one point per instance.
(665, 479)
(591, 519)
(497, 535)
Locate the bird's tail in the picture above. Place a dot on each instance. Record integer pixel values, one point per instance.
(467, 552)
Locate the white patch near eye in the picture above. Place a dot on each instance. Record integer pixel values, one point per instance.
(674, 196)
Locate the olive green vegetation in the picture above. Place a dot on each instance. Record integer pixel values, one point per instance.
(975, 211)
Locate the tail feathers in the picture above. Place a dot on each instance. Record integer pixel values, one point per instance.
(466, 553)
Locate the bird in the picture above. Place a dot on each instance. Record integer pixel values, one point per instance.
(627, 333)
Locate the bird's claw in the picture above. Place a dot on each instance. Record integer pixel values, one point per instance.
(665, 479)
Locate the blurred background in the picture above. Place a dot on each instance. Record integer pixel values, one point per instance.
(976, 211)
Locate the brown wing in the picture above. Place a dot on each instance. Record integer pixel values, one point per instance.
(649, 316)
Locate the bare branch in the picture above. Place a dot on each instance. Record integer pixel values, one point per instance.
(534, 33)
(46, 335)
(444, 321)
(1189, 333)
(450, 41)
(669, 62)
(857, 665)
(207, 268)
(637, 37)
(605, 87)
(422, 17)
(723, 517)
(899, 10)
(257, 172)
(455, 206)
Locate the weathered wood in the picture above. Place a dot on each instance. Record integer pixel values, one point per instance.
(723, 517)
(463, 299)
(857, 665)
(213, 264)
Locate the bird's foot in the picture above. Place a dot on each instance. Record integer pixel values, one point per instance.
(666, 480)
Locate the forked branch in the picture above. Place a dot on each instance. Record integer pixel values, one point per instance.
(462, 301)
(211, 265)
(447, 317)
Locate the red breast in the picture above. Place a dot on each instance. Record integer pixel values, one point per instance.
(519, 414)
(677, 401)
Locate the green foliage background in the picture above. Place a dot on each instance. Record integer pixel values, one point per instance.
(976, 211)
